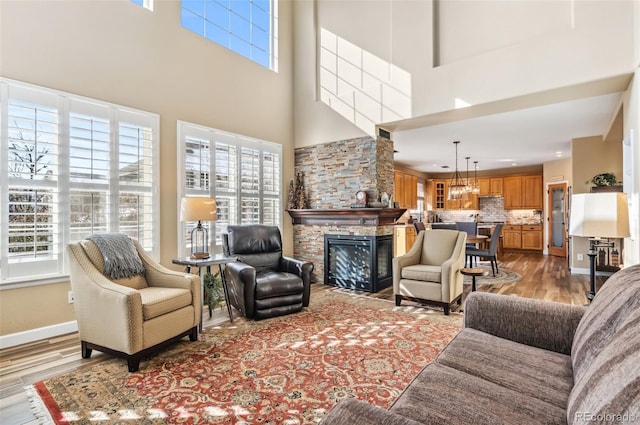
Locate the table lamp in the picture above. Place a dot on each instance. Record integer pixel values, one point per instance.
(199, 209)
(597, 216)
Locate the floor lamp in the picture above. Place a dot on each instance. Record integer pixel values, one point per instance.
(600, 217)
(199, 209)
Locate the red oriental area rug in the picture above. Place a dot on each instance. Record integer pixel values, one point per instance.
(285, 370)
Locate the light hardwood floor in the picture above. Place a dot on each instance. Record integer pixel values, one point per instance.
(543, 277)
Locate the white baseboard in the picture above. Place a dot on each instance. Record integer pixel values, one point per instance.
(575, 270)
(19, 338)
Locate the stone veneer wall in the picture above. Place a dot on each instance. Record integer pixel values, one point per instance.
(333, 173)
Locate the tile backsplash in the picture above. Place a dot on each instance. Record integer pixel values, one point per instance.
(491, 210)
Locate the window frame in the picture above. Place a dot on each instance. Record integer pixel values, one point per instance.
(52, 268)
(186, 130)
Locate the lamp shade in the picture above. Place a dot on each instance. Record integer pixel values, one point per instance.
(599, 215)
(198, 209)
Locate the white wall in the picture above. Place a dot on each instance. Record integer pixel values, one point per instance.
(584, 41)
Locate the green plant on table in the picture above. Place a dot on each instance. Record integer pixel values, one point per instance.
(213, 291)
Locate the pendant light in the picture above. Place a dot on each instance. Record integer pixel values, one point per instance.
(457, 188)
(476, 188)
(468, 188)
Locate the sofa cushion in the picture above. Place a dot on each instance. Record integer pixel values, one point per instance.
(422, 272)
(531, 371)
(157, 301)
(443, 395)
(94, 254)
(605, 351)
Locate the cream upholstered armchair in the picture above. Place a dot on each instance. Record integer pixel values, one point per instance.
(131, 317)
(430, 271)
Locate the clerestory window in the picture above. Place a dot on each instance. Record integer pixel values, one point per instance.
(247, 27)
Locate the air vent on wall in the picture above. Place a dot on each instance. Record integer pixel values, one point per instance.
(384, 133)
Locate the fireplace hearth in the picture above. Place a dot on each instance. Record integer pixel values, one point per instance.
(358, 262)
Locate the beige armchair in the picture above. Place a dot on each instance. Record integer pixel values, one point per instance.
(131, 317)
(430, 271)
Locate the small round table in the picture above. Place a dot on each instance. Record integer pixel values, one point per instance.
(473, 272)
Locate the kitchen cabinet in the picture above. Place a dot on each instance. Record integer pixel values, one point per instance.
(441, 201)
(512, 236)
(522, 192)
(532, 237)
(527, 236)
(439, 194)
(405, 188)
(532, 192)
(512, 191)
(404, 238)
(490, 186)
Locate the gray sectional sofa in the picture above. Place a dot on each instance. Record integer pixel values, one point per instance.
(522, 361)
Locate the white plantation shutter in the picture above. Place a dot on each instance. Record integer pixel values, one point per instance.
(136, 169)
(246, 179)
(70, 167)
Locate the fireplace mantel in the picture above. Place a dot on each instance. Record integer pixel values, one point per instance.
(346, 216)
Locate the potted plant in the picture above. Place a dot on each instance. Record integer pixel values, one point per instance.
(604, 182)
(213, 291)
(603, 179)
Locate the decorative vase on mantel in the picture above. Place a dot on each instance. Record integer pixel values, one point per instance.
(296, 198)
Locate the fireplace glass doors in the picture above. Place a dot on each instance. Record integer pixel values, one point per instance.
(358, 262)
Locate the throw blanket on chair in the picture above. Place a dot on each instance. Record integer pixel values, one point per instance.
(119, 254)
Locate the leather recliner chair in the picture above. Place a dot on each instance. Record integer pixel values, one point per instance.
(263, 283)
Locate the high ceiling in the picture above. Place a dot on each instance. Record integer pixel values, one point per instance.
(498, 137)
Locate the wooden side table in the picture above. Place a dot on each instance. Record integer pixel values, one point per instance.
(218, 259)
(473, 272)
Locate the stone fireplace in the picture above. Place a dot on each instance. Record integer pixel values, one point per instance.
(333, 173)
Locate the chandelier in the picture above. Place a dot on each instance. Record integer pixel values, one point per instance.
(457, 186)
(476, 189)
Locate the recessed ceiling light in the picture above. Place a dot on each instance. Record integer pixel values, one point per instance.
(505, 160)
(514, 164)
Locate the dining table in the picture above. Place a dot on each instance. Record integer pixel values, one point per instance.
(481, 240)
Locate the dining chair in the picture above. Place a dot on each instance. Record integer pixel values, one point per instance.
(471, 228)
(490, 252)
(419, 226)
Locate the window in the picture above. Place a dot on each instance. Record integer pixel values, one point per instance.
(247, 27)
(147, 4)
(241, 173)
(70, 167)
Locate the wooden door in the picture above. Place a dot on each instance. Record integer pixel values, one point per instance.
(557, 219)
